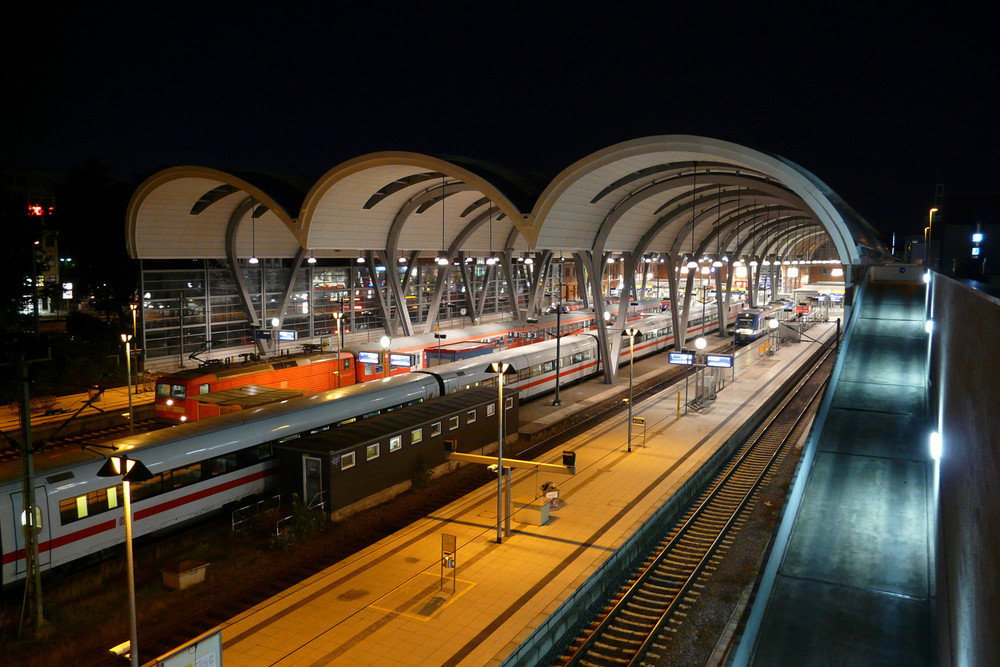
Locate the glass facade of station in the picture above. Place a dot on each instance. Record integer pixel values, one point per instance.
(189, 303)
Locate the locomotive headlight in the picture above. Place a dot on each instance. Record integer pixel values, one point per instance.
(170, 401)
(184, 418)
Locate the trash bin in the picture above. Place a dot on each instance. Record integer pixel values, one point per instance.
(552, 493)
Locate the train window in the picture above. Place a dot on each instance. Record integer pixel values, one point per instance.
(578, 358)
(368, 369)
(147, 489)
(347, 364)
(220, 465)
(395, 443)
(508, 404)
(523, 374)
(371, 452)
(452, 423)
(491, 410)
(435, 429)
(178, 391)
(470, 417)
(162, 389)
(416, 435)
(185, 476)
(347, 461)
(203, 389)
(548, 367)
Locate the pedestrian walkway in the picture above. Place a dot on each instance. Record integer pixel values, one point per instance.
(394, 603)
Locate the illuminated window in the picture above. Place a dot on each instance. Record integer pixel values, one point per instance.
(435, 429)
(395, 443)
(347, 461)
(372, 452)
(491, 409)
(470, 417)
(416, 435)
(975, 251)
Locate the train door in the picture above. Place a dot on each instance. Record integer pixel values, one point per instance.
(41, 522)
(312, 480)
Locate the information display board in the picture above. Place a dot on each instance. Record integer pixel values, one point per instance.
(719, 360)
(369, 357)
(288, 334)
(400, 360)
(683, 358)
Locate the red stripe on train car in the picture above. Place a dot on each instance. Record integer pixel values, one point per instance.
(69, 538)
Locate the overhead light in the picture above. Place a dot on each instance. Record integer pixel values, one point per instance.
(360, 260)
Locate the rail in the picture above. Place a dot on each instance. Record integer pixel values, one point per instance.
(630, 629)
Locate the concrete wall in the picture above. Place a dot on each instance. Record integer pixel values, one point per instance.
(965, 402)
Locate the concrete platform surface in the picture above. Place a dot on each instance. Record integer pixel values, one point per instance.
(394, 604)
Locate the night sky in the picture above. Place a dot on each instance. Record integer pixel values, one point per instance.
(880, 104)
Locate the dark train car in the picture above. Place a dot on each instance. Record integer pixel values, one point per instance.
(351, 467)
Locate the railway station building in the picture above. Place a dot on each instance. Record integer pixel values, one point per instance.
(398, 243)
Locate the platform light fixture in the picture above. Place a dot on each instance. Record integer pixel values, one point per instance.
(631, 333)
(500, 369)
(130, 470)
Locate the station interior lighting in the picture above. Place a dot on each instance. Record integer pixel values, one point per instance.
(929, 326)
(927, 276)
(700, 343)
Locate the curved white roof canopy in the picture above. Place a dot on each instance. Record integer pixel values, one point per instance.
(687, 195)
(670, 194)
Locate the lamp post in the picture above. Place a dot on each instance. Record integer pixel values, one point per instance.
(127, 338)
(631, 332)
(559, 307)
(338, 317)
(384, 341)
(131, 471)
(440, 337)
(275, 323)
(927, 235)
(500, 368)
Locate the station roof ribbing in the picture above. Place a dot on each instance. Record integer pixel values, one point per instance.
(674, 194)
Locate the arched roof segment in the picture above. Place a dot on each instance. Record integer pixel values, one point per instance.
(410, 201)
(689, 190)
(184, 212)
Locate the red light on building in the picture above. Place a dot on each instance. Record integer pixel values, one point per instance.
(36, 209)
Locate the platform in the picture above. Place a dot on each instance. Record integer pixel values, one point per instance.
(388, 604)
(851, 578)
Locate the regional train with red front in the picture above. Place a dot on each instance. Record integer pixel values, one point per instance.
(206, 466)
(181, 395)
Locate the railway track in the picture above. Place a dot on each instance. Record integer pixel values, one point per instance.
(95, 436)
(636, 626)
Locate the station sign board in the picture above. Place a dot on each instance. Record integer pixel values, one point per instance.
(369, 357)
(262, 334)
(287, 334)
(719, 360)
(399, 360)
(683, 358)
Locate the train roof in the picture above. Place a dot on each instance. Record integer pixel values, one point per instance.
(239, 368)
(349, 435)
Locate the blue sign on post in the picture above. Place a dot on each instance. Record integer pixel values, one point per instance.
(369, 357)
(719, 360)
(399, 360)
(683, 358)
